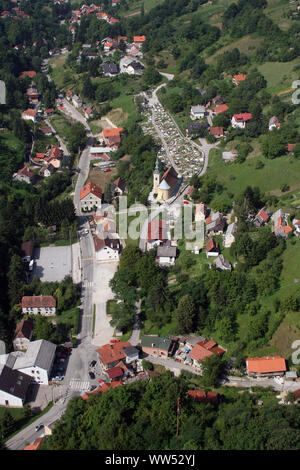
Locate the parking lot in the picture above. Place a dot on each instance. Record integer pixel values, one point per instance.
(53, 263)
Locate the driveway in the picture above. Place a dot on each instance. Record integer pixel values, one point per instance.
(103, 273)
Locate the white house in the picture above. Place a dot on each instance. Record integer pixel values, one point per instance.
(197, 112)
(166, 255)
(212, 248)
(39, 305)
(239, 120)
(132, 354)
(29, 115)
(221, 263)
(77, 102)
(229, 237)
(37, 361)
(13, 387)
(90, 196)
(107, 247)
(274, 123)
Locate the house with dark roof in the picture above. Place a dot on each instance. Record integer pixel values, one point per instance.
(215, 223)
(37, 361)
(14, 387)
(166, 254)
(221, 263)
(120, 186)
(23, 334)
(156, 346)
(110, 69)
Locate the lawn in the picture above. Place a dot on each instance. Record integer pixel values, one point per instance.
(102, 178)
(235, 177)
(279, 77)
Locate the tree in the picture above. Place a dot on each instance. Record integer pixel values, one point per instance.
(212, 368)
(185, 315)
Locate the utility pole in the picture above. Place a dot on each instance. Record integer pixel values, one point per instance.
(178, 413)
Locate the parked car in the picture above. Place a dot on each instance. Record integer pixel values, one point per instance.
(93, 363)
(114, 340)
(38, 427)
(101, 382)
(92, 375)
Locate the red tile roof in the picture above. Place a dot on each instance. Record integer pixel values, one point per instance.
(112, 352)
(290, 147)
(242, 117)
(216, 131)
(157, 230)
(220, 109)
(139, 39)
(211, 245)
(28, 73)
(202, 396)
(35, 445)
(104, 388)
(115, 372)
(112, 132)
(266, 364)
(204, 349)
(90, 188)
(38, 301)
(240, 77)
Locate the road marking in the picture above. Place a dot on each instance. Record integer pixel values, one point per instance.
(87, 316)
(76, 384)
(87, 259)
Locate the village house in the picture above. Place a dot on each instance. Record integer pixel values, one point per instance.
(219, 109)
(120, 186)
(217, 100)
(111, 354)
(28, 73)
(265, 366)
(14, 387)
(37, 361)
(107, 247)
(132, 354)
(290, 148)
(25, 174)
(204, 349)
(30, 115)
(280, 224)
(112, 137)
(110, 69)
(296, 224)
(45, 130)
(217, 132)
(229, 236)
(197, 112)
(115, 373)
(262, 217)
(212, 248)
(166, 254)
(237, 79)
(23, 334)
(90, 196)
(38, 305)
(215, 223)
(221, 263)
(157, 233)
(156, 346)
(274, 123)
(239, 120)
(139, 40)
(200, 212)
(76, 100)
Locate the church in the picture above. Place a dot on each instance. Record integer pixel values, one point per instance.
(166, 186)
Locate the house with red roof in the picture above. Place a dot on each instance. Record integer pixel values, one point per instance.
(24, 174)
(29, 115)
(157, 233)
(280, 224)
(36, 444)
(115, 373)
(240, 120)
(202, 396)
(103, 388)
(262, 217)
(139, 40)
(212, 248)
(240, 77)
(204, 349)
(28, 73)
(90, 196)
(111, 354)
(217, 132)
(266, 366)
(290, 148)
(38, 305)
(219, 109)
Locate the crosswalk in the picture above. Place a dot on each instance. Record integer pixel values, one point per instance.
(80, 385)
(88, 284)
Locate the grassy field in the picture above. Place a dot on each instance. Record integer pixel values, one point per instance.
(278, 10)
(102, 178)
(279, 76)
(236, 177)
